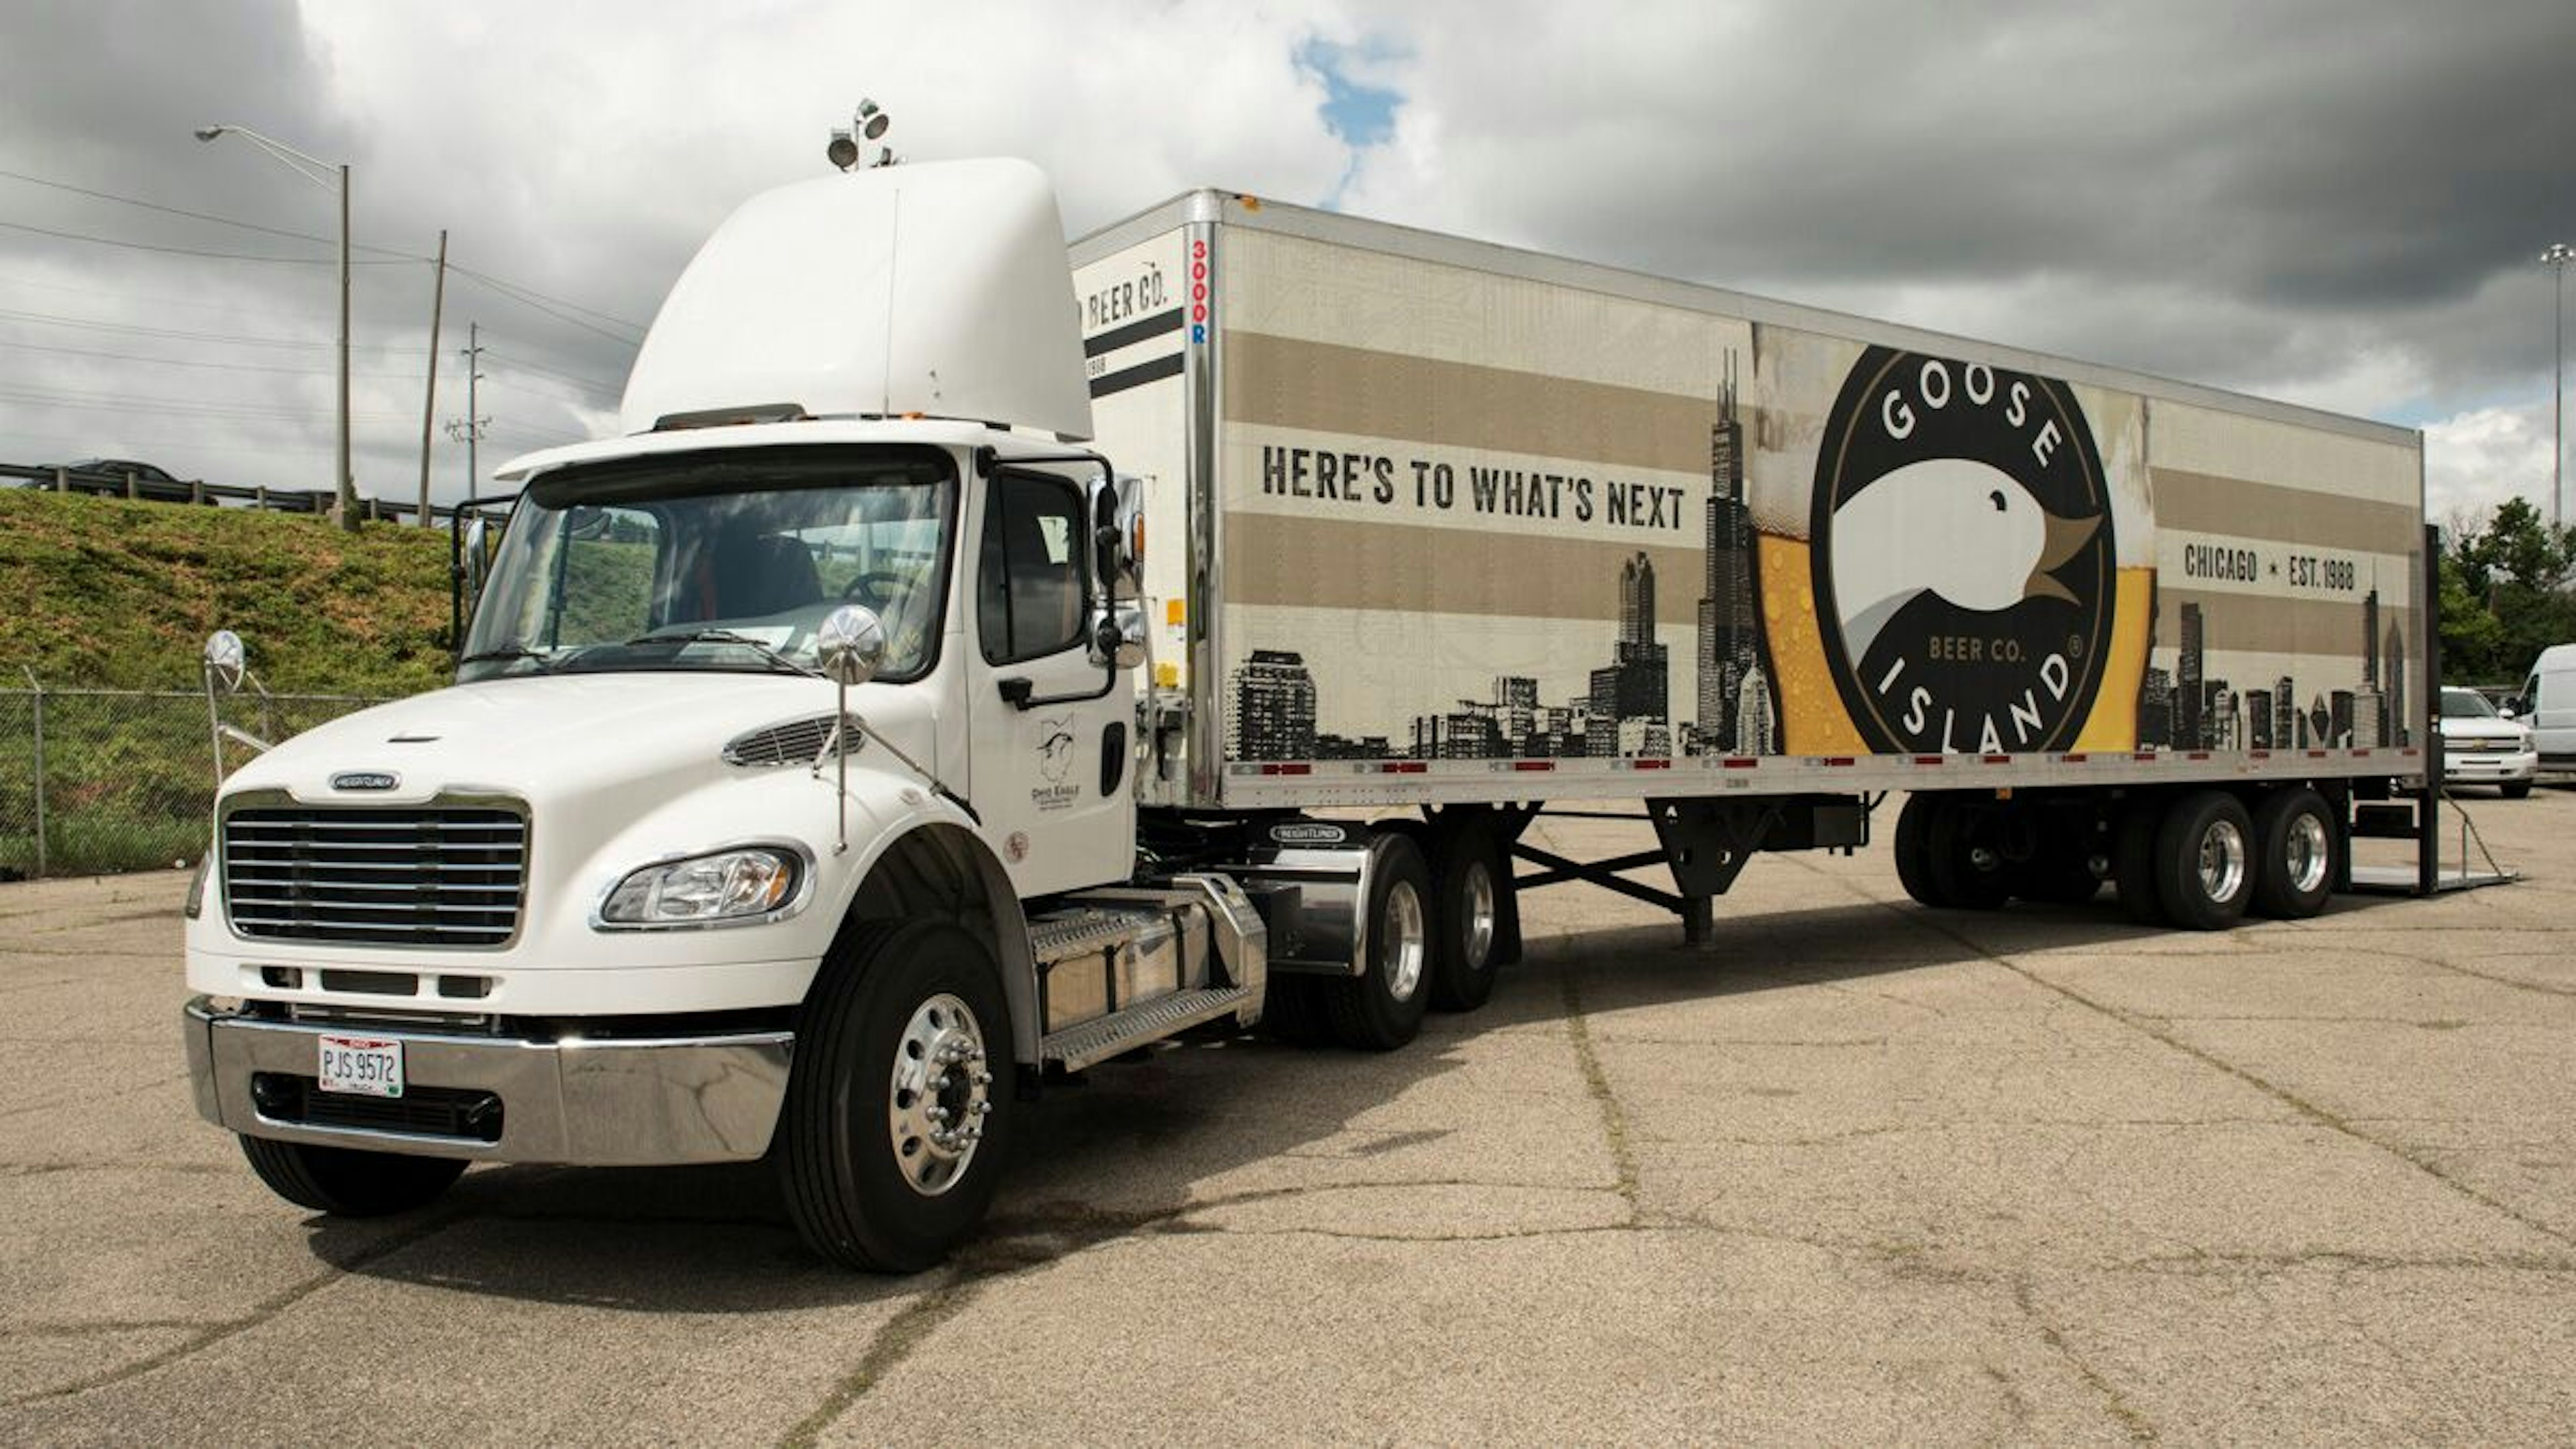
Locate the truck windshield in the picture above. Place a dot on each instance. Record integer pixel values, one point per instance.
(648, 564)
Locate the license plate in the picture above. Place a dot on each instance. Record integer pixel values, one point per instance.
(362, 1066)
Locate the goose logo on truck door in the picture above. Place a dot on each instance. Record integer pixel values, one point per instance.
(1963, 561)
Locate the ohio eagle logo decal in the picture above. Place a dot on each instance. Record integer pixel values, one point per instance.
(1963, 561)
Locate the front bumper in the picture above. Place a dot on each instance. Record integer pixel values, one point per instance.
(2489, 767)
(628, 1102)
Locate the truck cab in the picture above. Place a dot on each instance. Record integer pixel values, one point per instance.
(787, 758)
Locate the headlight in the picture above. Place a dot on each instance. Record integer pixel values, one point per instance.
(729, 885)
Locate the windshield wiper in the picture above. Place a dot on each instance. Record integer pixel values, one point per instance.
(723, 636)
(544, 659)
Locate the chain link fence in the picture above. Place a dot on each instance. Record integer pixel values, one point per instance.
(100, 780)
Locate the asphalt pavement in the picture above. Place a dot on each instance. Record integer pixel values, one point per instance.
(1853, 1172)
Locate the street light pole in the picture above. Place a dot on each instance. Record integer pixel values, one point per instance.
(2556, 258)
(323, 174)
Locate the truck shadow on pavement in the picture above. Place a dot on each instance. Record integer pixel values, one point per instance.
(1147, 1145)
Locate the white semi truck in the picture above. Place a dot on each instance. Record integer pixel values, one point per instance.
(962, 669)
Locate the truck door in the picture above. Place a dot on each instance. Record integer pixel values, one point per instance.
(1052, 724)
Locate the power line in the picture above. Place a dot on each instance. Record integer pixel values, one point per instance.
(171, 210)
(90, 440)
(52, 319)
(262, 308)
(170, 407)
(217, 366)
(109, 241)
(512, 361)
(527, 296)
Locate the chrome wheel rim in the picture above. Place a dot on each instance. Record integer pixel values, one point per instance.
(1480, 915)
(939, 1095)
(2303, 856)
(2222, 861)
(1400, 940)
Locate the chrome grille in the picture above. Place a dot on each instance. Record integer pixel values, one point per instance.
(420, 877)
(796, 742)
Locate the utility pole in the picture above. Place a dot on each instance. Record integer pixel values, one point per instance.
(469, 428)
(348, 480)
(2556, 259)
(429, 398)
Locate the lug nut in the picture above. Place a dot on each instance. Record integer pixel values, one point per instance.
(982, 1108)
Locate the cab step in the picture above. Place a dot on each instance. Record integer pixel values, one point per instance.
(1104, 1037)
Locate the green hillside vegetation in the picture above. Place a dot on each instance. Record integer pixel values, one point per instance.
(104, 593)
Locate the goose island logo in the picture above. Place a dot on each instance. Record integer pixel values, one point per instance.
(1963, 562)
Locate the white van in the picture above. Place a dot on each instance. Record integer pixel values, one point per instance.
(2548, 705)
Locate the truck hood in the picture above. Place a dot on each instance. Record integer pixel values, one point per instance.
(557, 737)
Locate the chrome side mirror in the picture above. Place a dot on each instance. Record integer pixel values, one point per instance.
(1127, 578)
(850, 644)
(478, 556)
(226, 660)
(1121, 643)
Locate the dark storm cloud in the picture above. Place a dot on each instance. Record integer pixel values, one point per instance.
(2326, 161)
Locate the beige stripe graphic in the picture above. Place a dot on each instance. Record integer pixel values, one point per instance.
(1332, 564)
(1286, 383)
(2275, 626)
(2240, 508)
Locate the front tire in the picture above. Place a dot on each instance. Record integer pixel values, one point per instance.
(347, 1182)
(2205, 861)
(2295, 864)
(2518, 790)
(894, 1135)
(1381, 1008)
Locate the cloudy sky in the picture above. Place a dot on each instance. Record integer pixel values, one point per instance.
(2338, 204)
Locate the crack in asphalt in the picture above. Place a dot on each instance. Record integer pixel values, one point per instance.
(208, 1335)
(2140, 1429)
(1596, 1081)
(2148, 1026)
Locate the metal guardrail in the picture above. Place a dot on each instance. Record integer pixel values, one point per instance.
(128, 483)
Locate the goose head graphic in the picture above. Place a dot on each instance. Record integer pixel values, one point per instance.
(1956, 527)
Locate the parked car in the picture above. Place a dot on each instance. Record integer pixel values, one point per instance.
(2481, 747)
(2548, 705)
(105, 477)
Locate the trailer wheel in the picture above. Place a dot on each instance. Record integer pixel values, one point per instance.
(1968, 873)
(2133, 860)
(1467, 889)
(2294, 841)
(1381, 1008)
(347, 1182)
(893, 1137)
(1913, 849)
(2205, 861)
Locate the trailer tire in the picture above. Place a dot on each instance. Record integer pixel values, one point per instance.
(2205, 861)
(2133, 860)
(1381, 1008)
(1467, 890)
(349, 1182)
(890, 1055)
(1913, 849)
(2295, 854)
(1967, 873)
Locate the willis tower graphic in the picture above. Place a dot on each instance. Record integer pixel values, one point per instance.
(1736, 712)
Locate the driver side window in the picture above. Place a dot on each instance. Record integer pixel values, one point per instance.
(1028, 578)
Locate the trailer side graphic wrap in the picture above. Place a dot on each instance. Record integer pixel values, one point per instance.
(1477, 517)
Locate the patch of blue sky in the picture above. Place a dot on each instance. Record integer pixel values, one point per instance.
(1358, 114)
